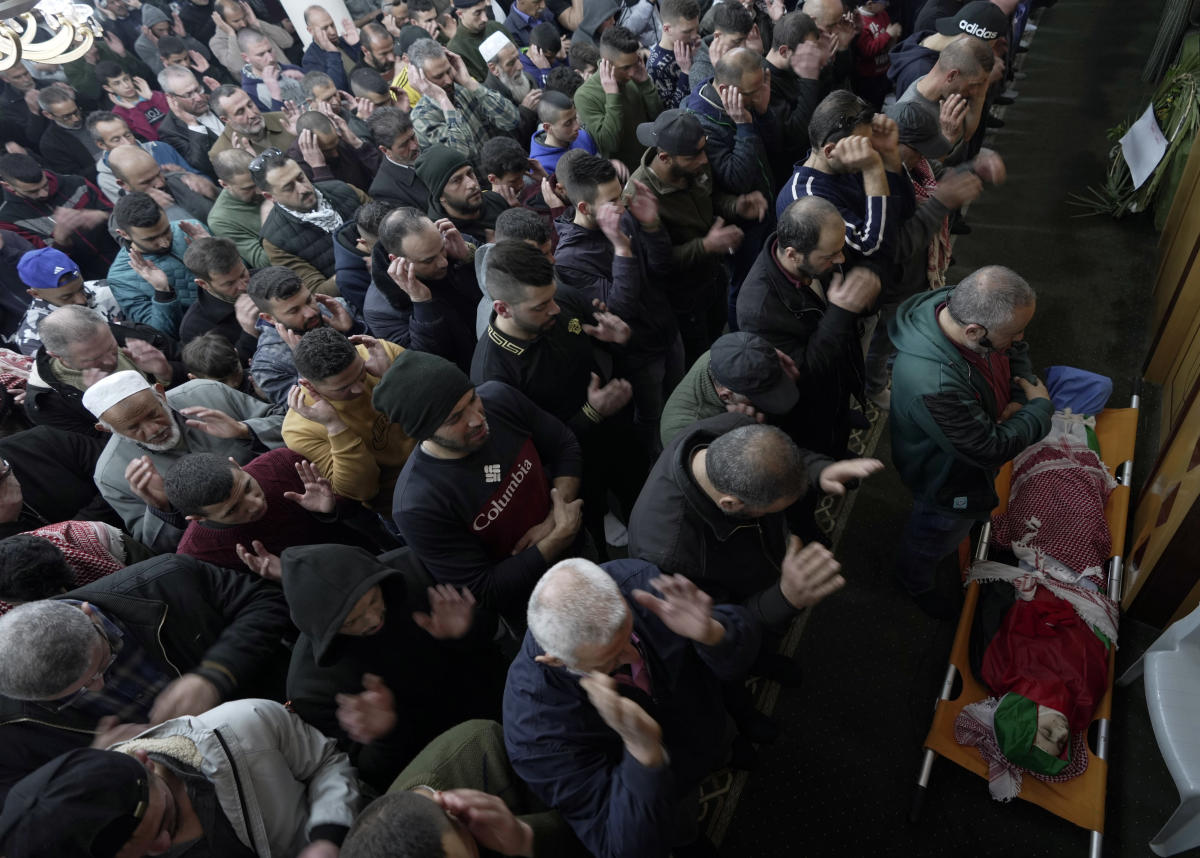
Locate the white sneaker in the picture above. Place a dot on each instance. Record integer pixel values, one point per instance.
(615, 533)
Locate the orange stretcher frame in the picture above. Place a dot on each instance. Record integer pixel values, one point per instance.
(1079, 800)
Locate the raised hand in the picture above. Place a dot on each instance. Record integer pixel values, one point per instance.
(752, 206)
(401, 272)
(148, 359)
(989, 166)
(538, 57)
(190, 694)
(148, 271)
(808, 59)
(510, 196)
(114, 43)
(610, 398)
(339, 317)
(251, 18)
(427, 89)
(377, 362)
(349, 31)
(318, 494)
(608, 218)
(291, 112)
(640, 74)
(452, 240)
(317, 408)
(856, 154)
(146, 482)
(261, 562)
(451, 612)
(246, 312)
(310, 150)
(643, 205)
(461, 76)
(835, 477)
(609, 328)
(788, 365)
(731, 97)
(951, 115)
(683, 56)
(641, 734)
(199, 64)
(722, 238)
(192, 230)
(532, 99)
(608, 77)
(292, 338)
(201, 186)
(489, 820)
(551, 199)
(855, 291)
(237, 141)
(214, 422)
(270, 79)
(684, 609)
(369, 715)
(956, 188)
(808, 574)
(220, 24)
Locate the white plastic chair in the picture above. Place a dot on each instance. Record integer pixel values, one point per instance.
(1172, 670)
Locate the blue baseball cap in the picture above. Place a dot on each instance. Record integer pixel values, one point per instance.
(45, 268)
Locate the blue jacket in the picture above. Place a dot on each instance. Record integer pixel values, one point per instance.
(539, 75)
(273, 366)
(137, 298)
(911, 60)
(330, 62)
(548, 156)
(519, 26)
(290, 89)
(576, 764)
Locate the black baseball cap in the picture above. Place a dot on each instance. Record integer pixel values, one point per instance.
(675, 132)
(979, 18)
(85, 804)
(747, 364)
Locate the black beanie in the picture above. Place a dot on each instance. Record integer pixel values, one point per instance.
(436, 165)
(419, 391)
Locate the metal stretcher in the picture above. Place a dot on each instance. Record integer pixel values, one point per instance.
(1079, 800)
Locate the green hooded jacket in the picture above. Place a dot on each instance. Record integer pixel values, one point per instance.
(946, 441)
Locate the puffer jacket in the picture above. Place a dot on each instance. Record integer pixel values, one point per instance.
(279, 782)
(138, 299)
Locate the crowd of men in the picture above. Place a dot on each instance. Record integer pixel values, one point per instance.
(465, 375)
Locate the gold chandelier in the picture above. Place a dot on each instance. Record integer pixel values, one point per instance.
(73, 25)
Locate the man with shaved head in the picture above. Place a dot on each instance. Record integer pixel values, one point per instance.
(135, 169)
(151, 430)
(232, 17)
(624, 781)
(268, 82)
(327, 149)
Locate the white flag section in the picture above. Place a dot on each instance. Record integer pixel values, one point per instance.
(295, 10)
(1143, 147)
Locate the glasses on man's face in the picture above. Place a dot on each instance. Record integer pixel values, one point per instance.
(191, 93)
(72, 115)
(74, 696)
(848, 123)
(260, 163)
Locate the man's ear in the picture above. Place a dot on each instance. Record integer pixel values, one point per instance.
(201, 283)
(191, 376)
(267, 317)
(549, 661)
(492, 179)
(32, 293)
(100, 427)
(159, 389)
(502, 309)
(730, 505)
(827, 149)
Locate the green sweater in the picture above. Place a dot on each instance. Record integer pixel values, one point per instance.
(466, 45)
(612, 119)
(240, 223)
(694, 398)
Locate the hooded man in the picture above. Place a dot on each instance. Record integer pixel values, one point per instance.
(156, 25)
(385, 661)
(598, 16)
(454, 193)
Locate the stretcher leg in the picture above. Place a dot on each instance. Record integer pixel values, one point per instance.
(923, 776)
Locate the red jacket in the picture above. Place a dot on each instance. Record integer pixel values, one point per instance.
(93, 249)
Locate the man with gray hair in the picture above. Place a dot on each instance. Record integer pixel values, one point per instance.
(621, 751)
(964, 401)
(455, 110)
(79, 346)
(166, 637)
(191, 127)
(151, 430)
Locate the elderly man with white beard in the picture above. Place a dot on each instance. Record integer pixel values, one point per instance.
(151, 430)
(507, 77)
